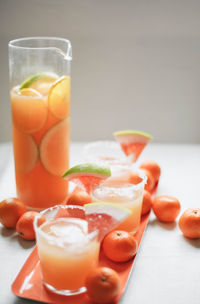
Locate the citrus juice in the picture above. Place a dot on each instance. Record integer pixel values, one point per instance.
(67, 253)
(127, 195)
(41, 136)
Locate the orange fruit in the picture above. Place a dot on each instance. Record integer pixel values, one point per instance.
(189, 223)
(78, 197)
(119, 246)
(147, 202)
(150, 180)
(10, 211)
(103, 285)
(166, 208)
(153, 168)
(25, 227)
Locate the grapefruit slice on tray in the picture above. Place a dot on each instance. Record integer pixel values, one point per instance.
(54, 148)
(132, 142)
(87, 175)
(59, 97)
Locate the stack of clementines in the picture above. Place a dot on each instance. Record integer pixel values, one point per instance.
(13, 214)
(103, 283)
(166, 208)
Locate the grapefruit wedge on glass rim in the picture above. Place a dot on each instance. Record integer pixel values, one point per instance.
(87, 175)
(132, 142)
(100, 217)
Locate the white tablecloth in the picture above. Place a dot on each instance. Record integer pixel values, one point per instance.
(167, 267)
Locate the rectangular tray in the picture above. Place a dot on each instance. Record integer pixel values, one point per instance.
(28, 283)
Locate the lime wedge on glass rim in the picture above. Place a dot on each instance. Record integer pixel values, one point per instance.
(87, 174)
(105, 217)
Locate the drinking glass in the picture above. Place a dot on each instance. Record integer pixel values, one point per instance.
(125, 191)
(40, 103)
(67, 251)
(108, 152)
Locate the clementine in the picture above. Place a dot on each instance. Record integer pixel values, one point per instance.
(78, 197)
(147, 202)
(10, 211)
(153, 168)
(166, 208)
(103, 285)
(150, 180)
(189, 223)
(24, 225)
(119, 246)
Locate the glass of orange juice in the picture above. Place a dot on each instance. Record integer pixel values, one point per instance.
(125, 187)
(40, 103)
(67, 251)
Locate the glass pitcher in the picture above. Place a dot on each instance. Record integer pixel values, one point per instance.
(40, 104)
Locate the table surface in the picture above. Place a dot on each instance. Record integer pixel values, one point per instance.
(167, 266)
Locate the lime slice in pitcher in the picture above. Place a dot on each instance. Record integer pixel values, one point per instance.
(40, 82)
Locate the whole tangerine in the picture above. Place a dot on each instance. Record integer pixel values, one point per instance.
(166, 208)
(78, 197)
(120, 246)
(103, 285)
(150, 180)
(10, 211)
(153, 168)
(146, 202)
(25, 227)
(189, 223)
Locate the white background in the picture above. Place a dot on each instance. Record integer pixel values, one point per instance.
(136, 63)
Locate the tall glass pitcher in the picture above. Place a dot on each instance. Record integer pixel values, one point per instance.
(40, 103)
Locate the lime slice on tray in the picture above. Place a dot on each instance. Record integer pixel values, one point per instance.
(87, 174)
(132, 142)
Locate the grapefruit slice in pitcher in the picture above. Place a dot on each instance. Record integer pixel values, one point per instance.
(59, 97)
(54, 148)
(87, 175)
(29, 109)
(132, 142)
(25, 151)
